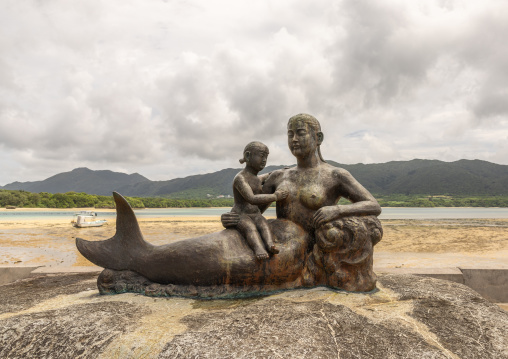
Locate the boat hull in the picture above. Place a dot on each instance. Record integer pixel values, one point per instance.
(90, 224)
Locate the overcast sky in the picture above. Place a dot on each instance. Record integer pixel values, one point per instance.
(179, 87)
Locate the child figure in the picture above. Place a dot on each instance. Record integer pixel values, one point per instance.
(247, 190)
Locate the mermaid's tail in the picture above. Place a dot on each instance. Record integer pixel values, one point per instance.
(120, 251)
(216, 259)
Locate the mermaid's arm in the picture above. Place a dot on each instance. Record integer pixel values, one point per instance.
(363, 203)
(230, 219)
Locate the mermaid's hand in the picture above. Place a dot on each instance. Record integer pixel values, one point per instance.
(325, 215)
(230, 219)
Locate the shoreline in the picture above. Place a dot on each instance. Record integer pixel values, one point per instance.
(19, 223)
(76, 209)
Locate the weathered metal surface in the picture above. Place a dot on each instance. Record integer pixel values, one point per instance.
(248, 195)
(320, 242)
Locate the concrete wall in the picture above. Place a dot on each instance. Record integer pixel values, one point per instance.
(12, 274)
(491, 283)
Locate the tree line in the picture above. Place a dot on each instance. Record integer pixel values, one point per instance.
(442, 201)
(23, 199)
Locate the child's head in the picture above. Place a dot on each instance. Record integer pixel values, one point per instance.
(255, 154)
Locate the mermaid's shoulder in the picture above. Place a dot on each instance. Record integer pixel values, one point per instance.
(336, 171)
(277, 175)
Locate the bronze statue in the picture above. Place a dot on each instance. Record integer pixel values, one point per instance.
(248, 195)
(319, 242)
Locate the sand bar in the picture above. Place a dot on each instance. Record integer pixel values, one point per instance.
(406, 243)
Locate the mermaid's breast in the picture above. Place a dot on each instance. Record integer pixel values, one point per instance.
(312, 196)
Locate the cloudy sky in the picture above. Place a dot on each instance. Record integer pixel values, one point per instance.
(178, 87)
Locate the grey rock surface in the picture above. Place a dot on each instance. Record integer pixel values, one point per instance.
(63, 316)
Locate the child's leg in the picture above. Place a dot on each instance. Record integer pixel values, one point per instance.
(248, 230)
(266, 233)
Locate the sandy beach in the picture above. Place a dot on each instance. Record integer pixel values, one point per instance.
(70, 210)
(406, 243)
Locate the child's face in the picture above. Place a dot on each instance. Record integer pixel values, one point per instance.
(258, 157)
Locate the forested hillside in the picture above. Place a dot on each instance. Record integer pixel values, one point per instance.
(408, 178)
(464, 177)
(80, 180)
(425, 177)
(23, 199)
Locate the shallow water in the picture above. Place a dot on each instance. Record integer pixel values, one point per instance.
(388, 213)
(443, 213)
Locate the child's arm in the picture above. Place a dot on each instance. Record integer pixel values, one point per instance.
(245, 190)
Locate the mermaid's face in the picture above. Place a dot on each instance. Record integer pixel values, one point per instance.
(302, 140)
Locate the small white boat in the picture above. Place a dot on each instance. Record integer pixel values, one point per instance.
(87, 219)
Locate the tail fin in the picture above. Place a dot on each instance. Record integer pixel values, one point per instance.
(119, 251)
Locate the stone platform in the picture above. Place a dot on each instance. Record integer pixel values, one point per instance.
(62, 316)
(490, 281)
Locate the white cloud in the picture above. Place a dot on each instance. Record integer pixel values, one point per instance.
(173, 88)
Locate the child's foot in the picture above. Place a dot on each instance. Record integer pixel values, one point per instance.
(262, 255)
(273, 249)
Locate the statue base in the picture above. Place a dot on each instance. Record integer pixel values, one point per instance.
(117, 282)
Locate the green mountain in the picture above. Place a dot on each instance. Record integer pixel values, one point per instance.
(433, 177)
(195, 186)
(429, 177)
(80, 180)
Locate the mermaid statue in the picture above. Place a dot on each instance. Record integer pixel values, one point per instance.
(319, 242)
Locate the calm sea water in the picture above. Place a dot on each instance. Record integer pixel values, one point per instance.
(388, 213)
